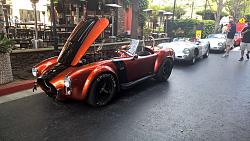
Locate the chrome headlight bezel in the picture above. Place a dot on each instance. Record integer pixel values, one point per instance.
(220, 44)
(34, 72)
(67, 82)
(186, 51)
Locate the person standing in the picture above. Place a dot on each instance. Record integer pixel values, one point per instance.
(245, 42)
(230, 37)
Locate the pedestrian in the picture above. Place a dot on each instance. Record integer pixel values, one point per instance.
(230, 37)
(245, 42)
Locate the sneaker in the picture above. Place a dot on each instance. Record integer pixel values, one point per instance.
(241, 59)
(247, 56)
(225, 55)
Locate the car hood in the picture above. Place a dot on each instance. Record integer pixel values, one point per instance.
(214, 41)
(178, 47)
(80, 40)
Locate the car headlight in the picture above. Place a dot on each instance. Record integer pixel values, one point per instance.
(67, 82)
(34, 72)
(186, 51)
(220, 44)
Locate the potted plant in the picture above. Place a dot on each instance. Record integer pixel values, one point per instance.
(5, 67)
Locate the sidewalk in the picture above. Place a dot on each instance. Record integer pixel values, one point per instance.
(16, 86)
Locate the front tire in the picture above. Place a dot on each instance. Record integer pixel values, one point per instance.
(102, 90)
(165, 70)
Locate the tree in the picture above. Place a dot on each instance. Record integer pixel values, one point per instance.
(236, 8)
(220, 6)
(210, 14)
(2, 31)
(135, 14)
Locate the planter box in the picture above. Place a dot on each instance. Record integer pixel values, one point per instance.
(6, 75)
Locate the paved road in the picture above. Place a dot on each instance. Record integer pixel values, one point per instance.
(206, 101)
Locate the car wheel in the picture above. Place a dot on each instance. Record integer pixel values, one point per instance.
(102, 90)
(206, 55)
(165, 70)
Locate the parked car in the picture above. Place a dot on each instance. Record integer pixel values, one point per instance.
(96, 75)
(217, 42)
(187, 51)
(237, 39)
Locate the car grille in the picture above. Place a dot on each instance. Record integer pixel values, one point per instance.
(49, 89)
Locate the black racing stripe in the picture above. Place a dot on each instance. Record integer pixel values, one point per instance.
(122, 71)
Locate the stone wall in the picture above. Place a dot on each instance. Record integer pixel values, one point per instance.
(5, 68)
(23, 61)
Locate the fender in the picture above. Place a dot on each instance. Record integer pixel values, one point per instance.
(97, 71)
(44, 65)
(166, 53)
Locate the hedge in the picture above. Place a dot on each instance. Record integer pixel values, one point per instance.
(186, 28)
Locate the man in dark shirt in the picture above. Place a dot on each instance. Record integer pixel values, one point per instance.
(230, 38)
(245, 42)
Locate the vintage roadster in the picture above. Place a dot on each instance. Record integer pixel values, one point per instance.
(81, 72)
(217, 42)
(187, 51)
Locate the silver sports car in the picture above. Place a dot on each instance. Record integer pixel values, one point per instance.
(186, 50)
(217, 42)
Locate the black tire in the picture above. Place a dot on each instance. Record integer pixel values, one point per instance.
(102, 90)
(206, 54)
(165, 70)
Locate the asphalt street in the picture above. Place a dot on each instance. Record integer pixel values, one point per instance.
(209, 100)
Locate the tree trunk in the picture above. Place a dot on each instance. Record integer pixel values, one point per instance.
(2, 31)
(218, 15)
(135, 14)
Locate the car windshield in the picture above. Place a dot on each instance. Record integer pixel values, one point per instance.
(75, 41)
(220, 36)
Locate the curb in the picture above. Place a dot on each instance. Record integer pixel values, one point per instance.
(16, 87)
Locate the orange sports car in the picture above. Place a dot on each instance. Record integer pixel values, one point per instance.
(82, 73)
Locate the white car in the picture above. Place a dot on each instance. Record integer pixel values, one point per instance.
(217, 42)
(187, 51)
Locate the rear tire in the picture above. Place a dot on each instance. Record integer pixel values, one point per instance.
(102, 90)
(165, 70)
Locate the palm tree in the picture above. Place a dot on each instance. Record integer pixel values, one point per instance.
(2, 31)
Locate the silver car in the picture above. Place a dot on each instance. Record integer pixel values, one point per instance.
(188, 51)
(217, 42)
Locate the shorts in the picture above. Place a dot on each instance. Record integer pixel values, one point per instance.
(244, 46)
(230, 42)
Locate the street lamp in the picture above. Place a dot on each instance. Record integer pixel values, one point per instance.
(35, 41)
(167, 14)
(113, 8)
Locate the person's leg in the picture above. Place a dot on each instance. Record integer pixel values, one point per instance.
(242, 50)
(228, 47)
(248, 50)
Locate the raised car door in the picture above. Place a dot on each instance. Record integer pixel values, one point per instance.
(140, 66)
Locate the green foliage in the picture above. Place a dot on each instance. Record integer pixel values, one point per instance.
(5, 44)
(186, 28)
(208, 28)
(210, 14)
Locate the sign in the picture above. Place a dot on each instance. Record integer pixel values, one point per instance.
(198, 34)
(133, 46)
(242, 20)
